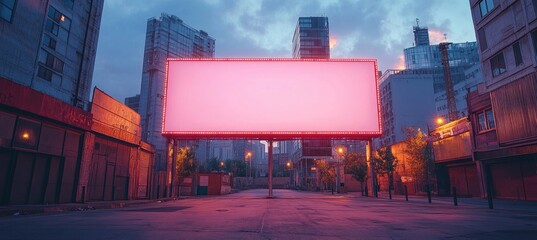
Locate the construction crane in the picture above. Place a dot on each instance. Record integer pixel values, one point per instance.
(450, 93)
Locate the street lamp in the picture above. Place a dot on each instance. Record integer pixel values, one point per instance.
(289, 166)
(340, 152)
(249, 157)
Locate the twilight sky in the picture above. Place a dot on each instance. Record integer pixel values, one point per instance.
(378, 29)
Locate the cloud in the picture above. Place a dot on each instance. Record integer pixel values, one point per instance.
(264, 28)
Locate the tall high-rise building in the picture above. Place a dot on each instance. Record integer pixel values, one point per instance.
(421, 35)
(310, 41)
(461, 56)
(50, 46)
(133, 102)
(166, 37)
(311, 38)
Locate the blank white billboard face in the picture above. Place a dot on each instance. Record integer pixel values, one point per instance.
(271, 98)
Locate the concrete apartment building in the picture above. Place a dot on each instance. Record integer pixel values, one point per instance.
(503, 109)
(56, 146)
(52, 46)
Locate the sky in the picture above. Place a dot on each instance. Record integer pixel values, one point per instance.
(378, 29)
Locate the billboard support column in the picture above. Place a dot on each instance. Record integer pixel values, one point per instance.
(370, 160)
(270, 165)
(174, 166)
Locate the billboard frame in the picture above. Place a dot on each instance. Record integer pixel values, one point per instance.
(273, 135)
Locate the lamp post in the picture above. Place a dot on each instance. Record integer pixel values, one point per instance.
(340, 152)
(249, 157)
(289, 166)
(439, 121)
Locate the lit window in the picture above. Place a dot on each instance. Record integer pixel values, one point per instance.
(6, 9)
(486, 6)
(517, 53)
(485, 120)
(27, 134)
(497, 64)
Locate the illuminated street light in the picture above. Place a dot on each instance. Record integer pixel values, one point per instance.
(249, 157)
(340, 152)
(439, 120)
(222, 163)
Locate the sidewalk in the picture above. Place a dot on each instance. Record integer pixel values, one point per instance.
(498, 204)
(15, 210)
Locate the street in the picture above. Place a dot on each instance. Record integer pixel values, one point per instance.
(291, 215)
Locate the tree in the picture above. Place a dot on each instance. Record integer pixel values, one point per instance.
(327, 174)
(420, 162)
(214, 165)
(356, 165)
(186, 163)
(385, 163)
(237, 167)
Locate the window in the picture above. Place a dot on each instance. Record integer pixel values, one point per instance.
(517, 53)
(44, 73)
(486, 6)
(485, 120)
(6, 9)
(49, 66)
(482, 39)
(49, 42)
(27, 134)
(497, 64)
(534, 41)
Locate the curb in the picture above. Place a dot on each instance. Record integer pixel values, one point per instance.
(18, 210)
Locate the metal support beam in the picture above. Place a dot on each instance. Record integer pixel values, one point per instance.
(270, 165)
(368, 153)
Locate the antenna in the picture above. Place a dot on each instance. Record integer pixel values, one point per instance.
(417, 22)
(445, 37)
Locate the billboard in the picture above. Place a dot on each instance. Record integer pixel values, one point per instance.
(271, 98)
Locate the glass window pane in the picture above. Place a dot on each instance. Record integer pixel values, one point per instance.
(7, 121)
(481, 122)
(483, 7)
(490, 119)
(490, 5)
(5, 13)
(27, 134)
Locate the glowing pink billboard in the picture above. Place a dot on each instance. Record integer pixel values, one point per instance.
(271, 98)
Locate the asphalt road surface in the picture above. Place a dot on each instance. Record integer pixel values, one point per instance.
(290, 215)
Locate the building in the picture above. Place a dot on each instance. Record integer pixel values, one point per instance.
(407, 100)
(503, 109)
(460, 57)
(473, 77)
(311, 38)
(51, 46)
(52, 148)
(116, 165)
(133, 102)
(166, 37)
(310, 41)
(421, 35)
